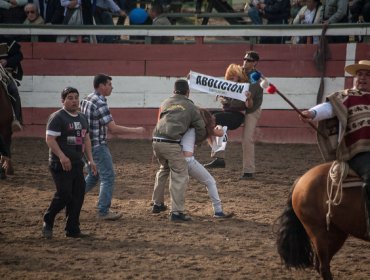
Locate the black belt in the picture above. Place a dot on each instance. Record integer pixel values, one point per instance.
(166, 140)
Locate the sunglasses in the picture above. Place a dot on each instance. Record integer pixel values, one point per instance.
(248, 60)
(30, 12)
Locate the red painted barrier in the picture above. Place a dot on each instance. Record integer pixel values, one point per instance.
(282, 126)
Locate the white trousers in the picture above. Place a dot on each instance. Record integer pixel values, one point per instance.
(200, 173)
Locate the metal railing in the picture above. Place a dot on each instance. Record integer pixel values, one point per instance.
(347, 29)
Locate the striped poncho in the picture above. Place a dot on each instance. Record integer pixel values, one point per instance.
(348, 133)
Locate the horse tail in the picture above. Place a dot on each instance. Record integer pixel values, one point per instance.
(293, 243)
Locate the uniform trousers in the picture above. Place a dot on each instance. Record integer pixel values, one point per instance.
(250, 124)
(173, 166)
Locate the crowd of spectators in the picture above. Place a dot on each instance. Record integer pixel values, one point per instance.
(104, 12)
(307, 12)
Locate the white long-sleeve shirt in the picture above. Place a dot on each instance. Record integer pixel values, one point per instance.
(323, 111)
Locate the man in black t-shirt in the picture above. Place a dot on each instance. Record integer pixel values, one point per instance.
(67, 136)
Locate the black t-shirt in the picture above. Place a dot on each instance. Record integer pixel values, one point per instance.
(70, 132)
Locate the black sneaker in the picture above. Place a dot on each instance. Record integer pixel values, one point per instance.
(159, 208)
(247, 176)
(77, 235)
(222, 215)
(47, 231)
(180, 217)
(216, 163)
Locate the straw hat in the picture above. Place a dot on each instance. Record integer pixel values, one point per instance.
(361, 65)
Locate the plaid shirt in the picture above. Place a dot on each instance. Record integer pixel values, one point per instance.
(96, 110)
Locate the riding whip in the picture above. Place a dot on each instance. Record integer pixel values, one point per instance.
(271, 89)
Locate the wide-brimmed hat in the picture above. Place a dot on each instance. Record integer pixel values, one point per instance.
(361, 65)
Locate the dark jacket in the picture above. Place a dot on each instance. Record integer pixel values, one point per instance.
(13, 57)
(277, 10)
(54, 12)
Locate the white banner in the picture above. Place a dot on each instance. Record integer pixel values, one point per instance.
(217, 86)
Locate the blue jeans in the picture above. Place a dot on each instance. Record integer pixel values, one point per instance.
(104, 18)
(254, 15)
(104, 164)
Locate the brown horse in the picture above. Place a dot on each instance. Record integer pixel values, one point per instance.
(6, 118)
(304, 237)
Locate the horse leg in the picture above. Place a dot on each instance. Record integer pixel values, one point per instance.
(326, 245)
(8, 140)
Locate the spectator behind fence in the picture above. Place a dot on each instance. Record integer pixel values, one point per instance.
(253, 10)
(139, 16)
(12, 11)
(155, 14)
(126, 6)
(33, 17)
(295, 7)
(308, 14)
(52, 12)
(77, 12)
(335, 11)
(103, 16)
(276, 12)
(198, 6)
(360, 12)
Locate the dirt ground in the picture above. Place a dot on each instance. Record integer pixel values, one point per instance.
(148, 246)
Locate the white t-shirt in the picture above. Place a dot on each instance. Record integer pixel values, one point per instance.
(188, 141)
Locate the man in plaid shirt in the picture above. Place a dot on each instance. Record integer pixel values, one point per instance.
(96, 109)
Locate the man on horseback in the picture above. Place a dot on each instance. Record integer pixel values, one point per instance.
(11, 72)
(345, 118)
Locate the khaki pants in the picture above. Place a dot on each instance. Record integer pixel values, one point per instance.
(250, 124)
(172, 165)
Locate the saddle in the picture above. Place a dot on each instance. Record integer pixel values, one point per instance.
(343, 176)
